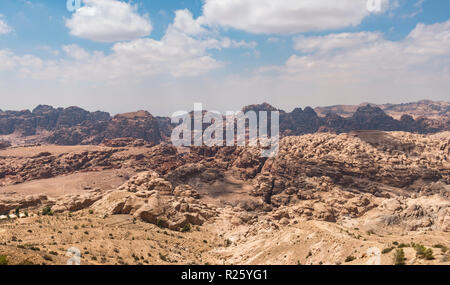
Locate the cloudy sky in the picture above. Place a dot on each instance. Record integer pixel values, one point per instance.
(164, 56)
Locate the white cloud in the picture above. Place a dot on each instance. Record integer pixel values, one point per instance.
(176, 55)
(335, 41)
(76, 52)
(108, 21)
(426, 49)
(182, 52)
(184, 22)
(287, 16)
(361, 67)
(4, 28)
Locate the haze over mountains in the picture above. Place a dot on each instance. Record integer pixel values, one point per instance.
(73, 125)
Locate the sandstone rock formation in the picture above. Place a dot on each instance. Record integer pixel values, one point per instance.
(73, 125)
(152, 199)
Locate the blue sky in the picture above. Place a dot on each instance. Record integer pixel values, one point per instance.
(166, 55)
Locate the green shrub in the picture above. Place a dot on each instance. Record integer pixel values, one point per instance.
(3, 260)
(47, 211)
(428, 254)
(186, 228)
(387, 250)
(442, 247)
(399, 257)
(423, 252)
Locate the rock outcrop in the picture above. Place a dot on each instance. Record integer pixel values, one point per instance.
(149, 197)
(73, 125)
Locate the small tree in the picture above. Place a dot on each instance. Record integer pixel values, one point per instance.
(399, 257)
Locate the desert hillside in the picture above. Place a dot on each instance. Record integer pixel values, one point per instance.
(353, 198)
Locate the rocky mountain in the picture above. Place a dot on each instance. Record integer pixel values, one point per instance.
(73, 125)
(424, 108)
(45, 117)
(324, 198)
(366, 117)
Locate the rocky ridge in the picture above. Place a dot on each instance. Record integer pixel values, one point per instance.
(74, 126)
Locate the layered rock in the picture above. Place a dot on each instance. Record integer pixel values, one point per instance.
(364, 161)
(73, 125)
(139, 125)
(152, 199)
(9, 204)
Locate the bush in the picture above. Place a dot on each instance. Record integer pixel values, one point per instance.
(47, 211)
(399, 257)
(442, 247)
(423, 252)
(350, 258)
(387, 250)
(186, 228)
(3, 260)
(428, 254)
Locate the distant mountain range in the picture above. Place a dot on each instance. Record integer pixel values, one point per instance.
(73, 125)
(424, 108)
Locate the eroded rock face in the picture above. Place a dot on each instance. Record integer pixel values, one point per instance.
(7, 205)
(361, 161)
(73, 125)
(75, 203)
(422, 213)
(152, 199)
(148, 181)
(139, 125)
(47, 118)
(326, 177)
